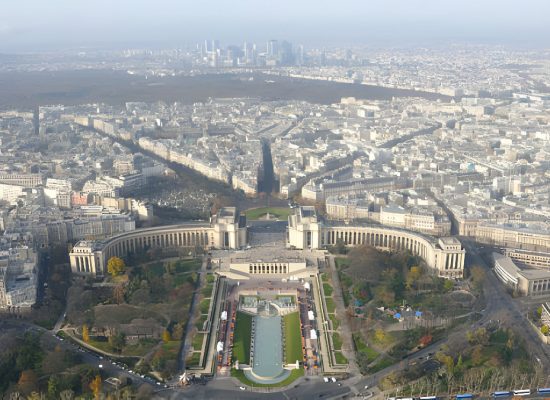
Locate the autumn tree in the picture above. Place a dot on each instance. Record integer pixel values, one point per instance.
(166, 336)
(379, 335)
(426, 340)
(116, 266)
(545, 329)
(479, 336)
(85, 333)
(28, 381)
(95, 387)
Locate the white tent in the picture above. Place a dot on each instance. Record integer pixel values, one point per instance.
(310, 315)
(313, 334)
(224, 316)
(219, 347)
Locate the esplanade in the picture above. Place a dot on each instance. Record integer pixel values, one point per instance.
(307, 231)
(226, 230)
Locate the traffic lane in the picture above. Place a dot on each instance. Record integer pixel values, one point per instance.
(308, 390)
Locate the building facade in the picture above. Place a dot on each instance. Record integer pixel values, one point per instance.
(307, 231)
(226, 230)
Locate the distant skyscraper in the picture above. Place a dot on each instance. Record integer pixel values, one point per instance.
(215, 45)
(300, 56)
(286, 56)
(272, 48)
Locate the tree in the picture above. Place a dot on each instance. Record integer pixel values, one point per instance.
(119, 292)
(117, 341)
(145, 391)
(36, 396)
(379, 335)
(426, 340)
(545, 329)
(85, 333)
(479, 336)
(166, 336)
(177, 330)
(340, 247)
(28, 381)
(66, 395)
(53, 387)
(539, 312)
(115, 266)
(413, 276)
(448, 285)
(95, 386)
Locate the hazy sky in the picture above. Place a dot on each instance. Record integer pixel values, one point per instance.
(57, 24)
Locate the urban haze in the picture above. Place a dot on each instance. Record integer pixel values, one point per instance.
(274, 200)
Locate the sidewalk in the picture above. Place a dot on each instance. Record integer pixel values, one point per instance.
(348, 348)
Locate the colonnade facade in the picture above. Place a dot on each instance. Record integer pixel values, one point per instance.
(91, 257)
(445, 255)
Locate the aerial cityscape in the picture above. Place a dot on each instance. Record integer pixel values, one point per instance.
(263, 209)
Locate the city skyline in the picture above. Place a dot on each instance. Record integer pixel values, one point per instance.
(61, 25)
(250, 200)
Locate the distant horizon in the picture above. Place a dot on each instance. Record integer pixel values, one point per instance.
(439, 45)
(59, 25)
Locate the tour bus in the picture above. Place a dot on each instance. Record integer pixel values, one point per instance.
(464, 396)
(543, 390)
(428, 398)
(522, 392)
(501, 394)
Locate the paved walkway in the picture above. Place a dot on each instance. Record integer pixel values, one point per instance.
(186, 343)
(345, 329)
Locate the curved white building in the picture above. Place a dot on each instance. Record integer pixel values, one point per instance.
(226, 230)
(306, 230)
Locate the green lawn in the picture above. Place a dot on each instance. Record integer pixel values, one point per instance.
(327, 288)
(197, 341)
(200, 322)
(341, 262)
(335, 322)
(207, 290)
(275, 212)
(324, 277)
(194, 360)
(241, 339)
(331, 307)
(336, 341)
(340, 358)
(210, 278)
(293, 338)
(204, 306)
(362, 347)
(139, 349)
(188, 265)
(101, 345)
(294, 374)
